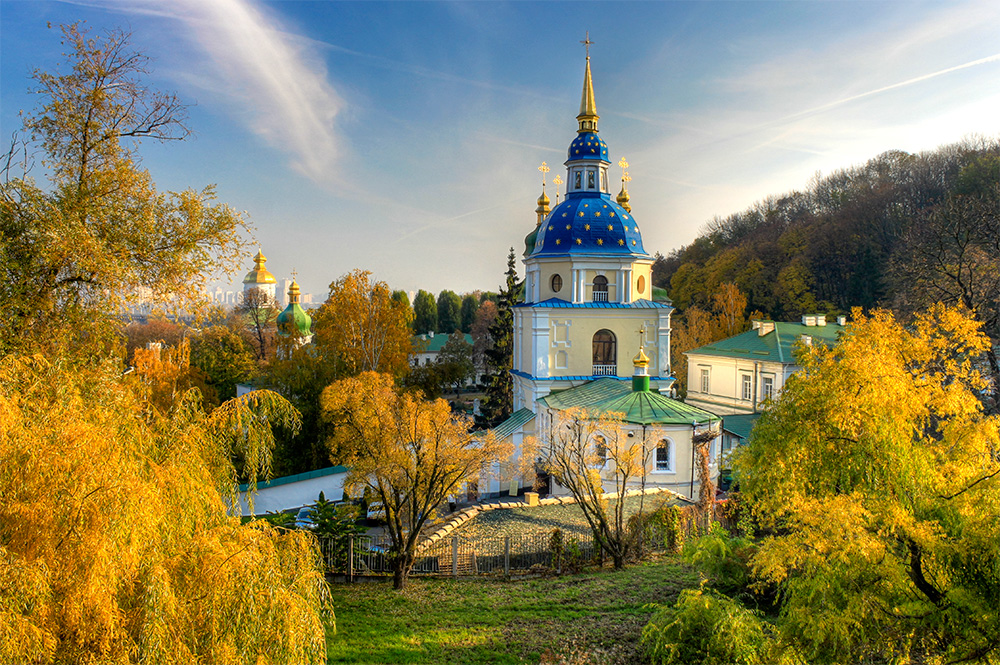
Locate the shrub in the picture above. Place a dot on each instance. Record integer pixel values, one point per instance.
(723, 558)
(709, 628)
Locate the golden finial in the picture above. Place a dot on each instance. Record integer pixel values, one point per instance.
(544, 168)
(586, 43)
(557, 181)
(623, 197)
(641, 359)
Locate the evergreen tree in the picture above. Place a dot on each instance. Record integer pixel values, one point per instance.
(425, 315)
(470, 307)
(449, 311)
(499, 401)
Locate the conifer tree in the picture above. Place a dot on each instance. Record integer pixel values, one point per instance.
(499, 402)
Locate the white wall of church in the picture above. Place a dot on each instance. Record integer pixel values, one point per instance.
(734, 385)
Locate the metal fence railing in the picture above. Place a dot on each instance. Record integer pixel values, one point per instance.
(460, 556)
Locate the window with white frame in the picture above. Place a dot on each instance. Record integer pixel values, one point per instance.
(704, 380)
(747, 387)
(664, 461)
(767, 387)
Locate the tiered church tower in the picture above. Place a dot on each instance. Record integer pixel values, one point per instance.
(588, 289)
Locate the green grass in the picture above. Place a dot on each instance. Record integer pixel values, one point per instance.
(593, 617)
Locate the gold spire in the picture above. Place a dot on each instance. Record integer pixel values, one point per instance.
(641, 361)
(588, 107)
(623, 197)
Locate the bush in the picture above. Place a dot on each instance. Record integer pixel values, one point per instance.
(709, 628)
(723, 558)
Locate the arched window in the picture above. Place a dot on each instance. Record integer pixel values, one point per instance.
(663, 462)
(600, 289)
(601, 450)
(605, 358)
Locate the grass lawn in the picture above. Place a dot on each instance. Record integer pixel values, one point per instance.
(589, 618)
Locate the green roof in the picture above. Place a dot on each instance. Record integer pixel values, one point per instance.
(740, 424)
(284, 480)
(516, 421)
(643, 407)
(427, 344)
(775, 346)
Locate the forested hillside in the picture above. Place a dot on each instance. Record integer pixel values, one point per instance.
(898, 231)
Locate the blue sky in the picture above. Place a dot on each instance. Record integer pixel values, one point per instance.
(405, 137)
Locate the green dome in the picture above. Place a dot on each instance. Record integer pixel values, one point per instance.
(294, 320)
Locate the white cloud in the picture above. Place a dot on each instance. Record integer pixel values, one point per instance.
(266, 77)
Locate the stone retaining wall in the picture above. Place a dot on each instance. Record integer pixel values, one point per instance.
(444, 529)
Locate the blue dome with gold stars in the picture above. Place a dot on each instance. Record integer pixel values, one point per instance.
(588, 224)
(588, 145)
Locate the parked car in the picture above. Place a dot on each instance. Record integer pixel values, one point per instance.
(306, 518)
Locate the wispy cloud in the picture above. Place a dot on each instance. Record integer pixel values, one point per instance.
(268, 78)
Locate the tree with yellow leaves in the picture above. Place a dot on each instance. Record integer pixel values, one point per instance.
(362, 328)
(587, 451)
(410, 453)
(116, 543)
(878, 474)
(74, 254)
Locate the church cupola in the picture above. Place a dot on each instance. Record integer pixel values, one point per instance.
(294, 321)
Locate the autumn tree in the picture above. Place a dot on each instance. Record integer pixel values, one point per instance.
(116, 544)
(408, 452)
(499, 399)
(455, 362)
(878, 475)
(585, 453)
(224, 358)
(362, 328)
(425, 318)
(481, 339)
(257, 312)
(74, 253)
(449, 312)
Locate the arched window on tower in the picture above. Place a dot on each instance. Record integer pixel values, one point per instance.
(600, 289)
(605, 358)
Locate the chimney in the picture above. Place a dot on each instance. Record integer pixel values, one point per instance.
(764, 328)
(841, 320)
(806, 339)
(821, 319)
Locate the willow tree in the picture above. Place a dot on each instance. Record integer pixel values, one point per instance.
(98, 234)
(878, 473)
(116, 543)
(410, 453)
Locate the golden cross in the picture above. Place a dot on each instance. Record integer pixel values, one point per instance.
(557, 181)
(587, 44)
(625, 176)
(294, 274)
(544, 168)
(642, 335)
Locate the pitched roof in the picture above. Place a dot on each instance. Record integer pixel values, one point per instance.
(426, 344)
(517, 420)
(774, 346)
(740, 424)
(640, 407)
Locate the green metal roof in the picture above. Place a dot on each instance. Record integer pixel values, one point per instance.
(740, 424)
(775, 346)
(516, 421)
(284, 480)
(426, 344)
(642, 407)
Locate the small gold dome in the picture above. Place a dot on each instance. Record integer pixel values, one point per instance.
(623, 200)
(259, 274)
(641, 360)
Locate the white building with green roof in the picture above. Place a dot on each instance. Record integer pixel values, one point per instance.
(737, 375)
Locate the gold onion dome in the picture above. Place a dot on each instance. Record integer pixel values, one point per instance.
(641, 360)
(259, 274)
(622, 199)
